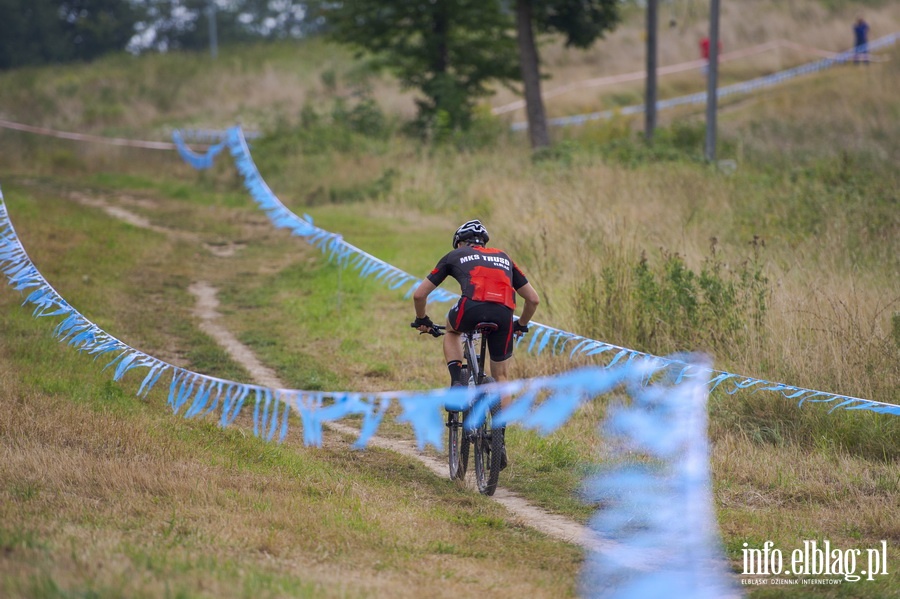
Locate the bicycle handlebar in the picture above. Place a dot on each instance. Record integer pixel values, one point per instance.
(436, 329)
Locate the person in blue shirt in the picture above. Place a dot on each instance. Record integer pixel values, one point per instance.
(861, 39)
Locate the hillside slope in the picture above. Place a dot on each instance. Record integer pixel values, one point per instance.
(108, 495)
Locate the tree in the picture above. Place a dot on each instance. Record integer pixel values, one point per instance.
(184, 24)
(95, 27)
(448, 50)
(581, 22)
(34, 32)
(30, 33)
(47, 31)
(277, 19)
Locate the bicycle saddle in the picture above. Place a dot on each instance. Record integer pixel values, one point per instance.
(486, 327)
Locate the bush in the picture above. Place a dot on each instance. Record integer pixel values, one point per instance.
(365, 118)
(480, 130)
(347, 128)
(665, 306)
(377, 189)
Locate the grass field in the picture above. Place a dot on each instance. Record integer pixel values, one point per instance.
(107, 495)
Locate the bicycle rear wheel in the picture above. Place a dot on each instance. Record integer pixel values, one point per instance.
(488, 448)
(463, 446)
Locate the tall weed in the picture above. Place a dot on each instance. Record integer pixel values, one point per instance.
(663, 306)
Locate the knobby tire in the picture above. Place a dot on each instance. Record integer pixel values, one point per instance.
(488, 448)
(455, 434)
(458, 440)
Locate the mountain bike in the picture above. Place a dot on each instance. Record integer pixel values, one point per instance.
(486, 441)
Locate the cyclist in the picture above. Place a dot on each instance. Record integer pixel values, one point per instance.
(489, 281)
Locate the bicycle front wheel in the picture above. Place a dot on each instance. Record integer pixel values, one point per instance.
(457, 445)
(457, 440)
(488, 445)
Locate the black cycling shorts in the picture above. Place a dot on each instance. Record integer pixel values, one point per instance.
(466, 314)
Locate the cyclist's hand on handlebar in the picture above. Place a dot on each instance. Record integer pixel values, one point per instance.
(519, 330)
(424, 325)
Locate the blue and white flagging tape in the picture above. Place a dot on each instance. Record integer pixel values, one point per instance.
(542, 337)
(666, 421)
(744, 87)
(197, 394)
(657, 497)
(658, 518)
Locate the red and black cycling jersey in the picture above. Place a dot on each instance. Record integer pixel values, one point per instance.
(484, 274)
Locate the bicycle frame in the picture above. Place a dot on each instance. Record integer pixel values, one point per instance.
(486, 444)
(486, 440)
(475, 360)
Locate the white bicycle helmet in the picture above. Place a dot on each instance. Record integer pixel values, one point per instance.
(472, 230)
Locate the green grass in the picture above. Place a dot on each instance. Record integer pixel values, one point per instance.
(287, 312)
(816, 181)
(160, 539)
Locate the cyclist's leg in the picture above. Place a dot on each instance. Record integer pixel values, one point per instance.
(452, 344)
(453, 352)
(500, 344)
(500, 349)
(500, 373)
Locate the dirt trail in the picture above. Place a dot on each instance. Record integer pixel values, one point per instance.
(141, 222)
(550, 524)
(206, 310)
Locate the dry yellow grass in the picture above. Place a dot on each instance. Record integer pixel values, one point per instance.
(788, 491)
(98, 498)
(743, 25)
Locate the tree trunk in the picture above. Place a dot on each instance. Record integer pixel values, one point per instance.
(712, 82)
(650, 92)
(440, 28)
(440, 59)
(531, 78)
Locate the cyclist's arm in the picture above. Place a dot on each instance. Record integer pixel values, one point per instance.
(532, 300)
(420, 296)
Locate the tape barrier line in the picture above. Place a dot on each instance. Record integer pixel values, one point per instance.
(367, 264)
(198, 161)
(666, 70)
(830, 59)
(115, 141)
(331, 243)
(737, 88)
(196, 394)
(666, 420)
(208, 138)
(659, 510)
(543, 337)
